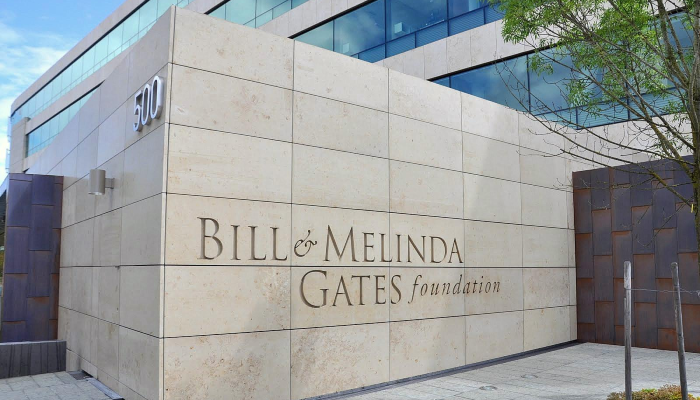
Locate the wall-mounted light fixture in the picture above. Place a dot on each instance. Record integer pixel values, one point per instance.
(99, 182)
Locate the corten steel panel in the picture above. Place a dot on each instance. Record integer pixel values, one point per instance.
(603, 278)
(689, 275)
(602, 231)
(38, 316)
(642, 231)
(666, 252)
(17, 250)
(600, 189)
(43, 190)
(665, 315)
(58, 200)
(686, 236)
(14, 298)
(585, 332)
(645, 332)
(39, 278)
(691, 327)
(41, 227)
(604, 322)
(620, 175)
(14, 331)
(667, 339)
(582, 211)
(620, 335)
(644, 277)
(584, 255)
(19, 203)
(54, 296)
(660, 230)
(664, 207)
(33, 241)
(56, 250)
(585, 301)
(683, 182)
(641, 188)
(622, 251)
(663, 168)
(581, 180)
(621, 209)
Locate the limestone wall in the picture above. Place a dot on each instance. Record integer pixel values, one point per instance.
(300, 182)
(111, 250)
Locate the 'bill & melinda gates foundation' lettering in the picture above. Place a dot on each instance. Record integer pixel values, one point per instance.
(318, 288)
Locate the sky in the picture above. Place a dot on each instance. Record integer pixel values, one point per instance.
(34, 34)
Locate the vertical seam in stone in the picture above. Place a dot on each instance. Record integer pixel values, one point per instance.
(169, 67)
(522, 227)
(388, 155)
(464, 225)
(291, 218)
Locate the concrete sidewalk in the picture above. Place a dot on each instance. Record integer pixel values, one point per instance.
(57, 386)
(583, 371)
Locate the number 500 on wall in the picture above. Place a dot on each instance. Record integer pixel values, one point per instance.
(148, 103)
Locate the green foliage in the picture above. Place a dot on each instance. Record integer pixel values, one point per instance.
(633, 55)
(668, 392)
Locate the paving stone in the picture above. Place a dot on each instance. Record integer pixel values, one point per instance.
(582, 372)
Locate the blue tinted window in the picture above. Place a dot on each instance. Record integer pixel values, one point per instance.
(219, 12)
(266, 5)
(321, 36)
(459, 7)
(407, 16)
(549, 89)
(360, 30)
(503, 83)
(240, 11)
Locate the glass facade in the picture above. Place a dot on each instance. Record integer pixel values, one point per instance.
(254, 13)
(44, 134)
(512, 84)
(117, 40)
(384, 28)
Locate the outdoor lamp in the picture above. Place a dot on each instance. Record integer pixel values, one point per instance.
(99, 182)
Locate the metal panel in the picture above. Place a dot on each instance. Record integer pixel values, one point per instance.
(621, 209)
(645, 329)
(644, 277)
(603, 278)
(622, 251)
(604, 322)
(666, 252)
(582, 211)
(602, 231)
(600, 189)
(33, 242)
(584, 255)
(642, 231)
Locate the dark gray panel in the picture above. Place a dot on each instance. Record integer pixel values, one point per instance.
(642, 231)
(666, 252)
(19, 203)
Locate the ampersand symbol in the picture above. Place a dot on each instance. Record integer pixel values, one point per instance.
(308, 244)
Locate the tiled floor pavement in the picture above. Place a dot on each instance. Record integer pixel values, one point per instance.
(59, 386)
(585, 371)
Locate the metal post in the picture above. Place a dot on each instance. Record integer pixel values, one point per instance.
(628, 330)
(679, 329)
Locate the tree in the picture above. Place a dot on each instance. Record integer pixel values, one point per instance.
(633, 63)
